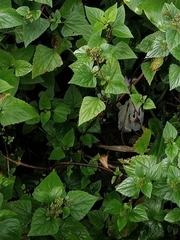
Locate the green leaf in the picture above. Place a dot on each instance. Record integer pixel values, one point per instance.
(60, 113)
(172, 151)
(121, 223)
(146, 188)
(148, 73)
(163, 190)
(174, 76)
(172, 38)
(90, 108)
(42, 225)
(23, 209)
(80, 203)
(169, 131)
(111, 13)
(93, 14)
(32, 30)
(6, 59)
(10, 229)
(14, 110)
(45, 60)
(73, 97)
(135, 5)
(149, 104)
(44, 101)
(97, 218)
(114, 207)
(158, 48)
(11, 79)
(23, 53)
(84, 77)
(9, 18)
(173, 216)
(45, 116)
(123, 51)
(176, 52)
(143, 141)
(88, 139)
(72, 229)
(138, 214)
(22, 68)
(68, 139)
(57, 154)
(45, 191)
(121, 30)
(1, 199)
(47, 2)
(136, 98)
(4, 86)
(128, 187)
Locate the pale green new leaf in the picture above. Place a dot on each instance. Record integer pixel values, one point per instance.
(47, 2)
(42, 225)
(33, 30)
(116, 85)
(84, 77)
(111, 13)
(174, 76)
(45, 60)
(14, 110)
(90, 108)
(22, 68)
(146, 188)
(80, 203)
(149, 104)
(9, 18)
(172, 151)
(173, 216)
(172, 38)
(4, 86)
(93, 14)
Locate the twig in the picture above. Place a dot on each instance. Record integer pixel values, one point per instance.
(19, 163)
(118, 148)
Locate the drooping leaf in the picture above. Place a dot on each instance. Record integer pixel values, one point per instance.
(174, 76)
(173, 216)
(97, 218)
(9, 18)
(45, 60)
(22, 68)
(14, 110)
(73, 229)
(148, 73)
(143, 141)
(4, 86)
(73, 97)
(47, 2)
(80, 203)
(6, 59)
(90, 108)
(68, 139)
(42, 225)
(23, 209)
(138, 214)
(121, 222)
(33, 30)
(10, 229)
(60, 113)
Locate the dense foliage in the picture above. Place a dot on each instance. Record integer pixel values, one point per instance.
(89, 114)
